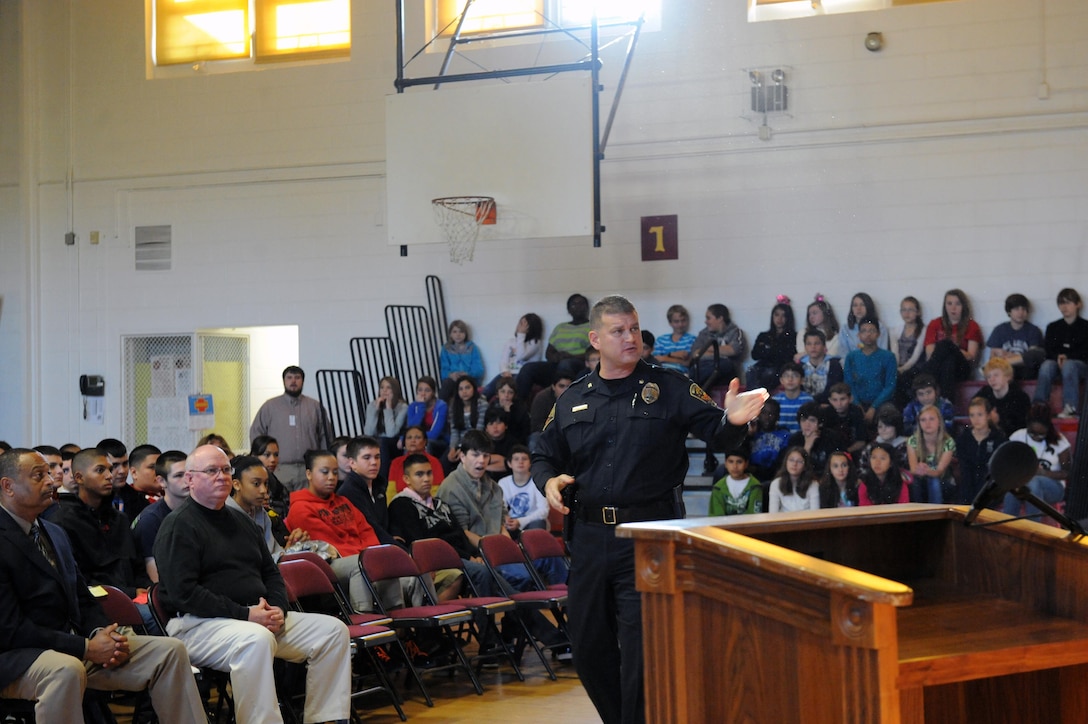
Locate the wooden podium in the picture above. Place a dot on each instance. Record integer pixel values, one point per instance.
(880, 614)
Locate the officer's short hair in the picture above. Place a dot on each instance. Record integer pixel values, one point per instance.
(612, 304)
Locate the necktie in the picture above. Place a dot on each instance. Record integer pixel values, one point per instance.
(43, 544)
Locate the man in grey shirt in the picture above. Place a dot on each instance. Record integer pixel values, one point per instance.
(299, 423)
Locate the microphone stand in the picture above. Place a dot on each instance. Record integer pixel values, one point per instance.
(1024, 494)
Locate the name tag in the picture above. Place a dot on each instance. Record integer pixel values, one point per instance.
(291, 420)
(579, 408)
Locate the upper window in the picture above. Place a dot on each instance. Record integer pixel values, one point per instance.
(489, 16)
(785, 9)
(193, 31)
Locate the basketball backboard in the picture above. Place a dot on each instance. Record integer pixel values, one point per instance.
(528, 145)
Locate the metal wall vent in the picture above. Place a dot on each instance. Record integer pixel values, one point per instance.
(153, 248)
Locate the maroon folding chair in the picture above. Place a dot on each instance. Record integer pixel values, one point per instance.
(435, 554)
(500, 550)
(538, 544)
(305, 580)
(121, 610)
(390, 563)
(208, 677)
(348, 614)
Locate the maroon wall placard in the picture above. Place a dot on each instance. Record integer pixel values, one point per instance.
(659, 238)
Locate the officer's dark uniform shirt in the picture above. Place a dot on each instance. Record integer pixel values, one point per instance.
(623, 440)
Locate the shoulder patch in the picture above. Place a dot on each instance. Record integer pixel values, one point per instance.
(697, 392)
(551, 416)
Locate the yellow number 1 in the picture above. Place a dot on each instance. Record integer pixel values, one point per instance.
(658, 231)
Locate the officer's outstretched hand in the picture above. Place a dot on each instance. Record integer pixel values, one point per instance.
(743, 407)
(553, 491)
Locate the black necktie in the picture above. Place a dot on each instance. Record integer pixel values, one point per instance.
(43, 544)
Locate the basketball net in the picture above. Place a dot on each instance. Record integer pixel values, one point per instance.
(460, 218)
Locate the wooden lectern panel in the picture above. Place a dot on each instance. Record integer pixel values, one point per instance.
(886, 614)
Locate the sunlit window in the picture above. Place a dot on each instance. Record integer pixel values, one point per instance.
(191, 31)
(759, 10)
(488, 16)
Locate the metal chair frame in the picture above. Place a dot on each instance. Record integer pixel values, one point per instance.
(434, 554)
(386, 562)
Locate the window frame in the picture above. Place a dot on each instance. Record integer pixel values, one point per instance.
(549, 11)
(260, 21)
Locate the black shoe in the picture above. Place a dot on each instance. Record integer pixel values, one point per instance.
(562, 654)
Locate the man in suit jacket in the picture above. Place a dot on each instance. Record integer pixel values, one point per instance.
(55, 640)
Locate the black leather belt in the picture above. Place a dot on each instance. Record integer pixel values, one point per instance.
(614, 515)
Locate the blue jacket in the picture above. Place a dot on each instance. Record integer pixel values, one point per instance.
(470, 362)
(438, 429)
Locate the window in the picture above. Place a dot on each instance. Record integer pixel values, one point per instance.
(193, 31)
(759, 10)
(488, 16)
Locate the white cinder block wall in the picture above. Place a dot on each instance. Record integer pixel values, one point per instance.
(930, 165)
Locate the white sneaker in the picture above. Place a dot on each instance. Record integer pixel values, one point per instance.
(1068, 411)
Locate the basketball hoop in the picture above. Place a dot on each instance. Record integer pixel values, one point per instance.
(460, 218)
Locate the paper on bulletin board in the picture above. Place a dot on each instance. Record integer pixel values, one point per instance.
(162, 375)
(166, 423)
(201, 412)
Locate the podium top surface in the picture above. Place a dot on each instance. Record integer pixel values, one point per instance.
(873, 553)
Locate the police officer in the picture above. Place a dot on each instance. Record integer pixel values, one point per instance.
(616, 439)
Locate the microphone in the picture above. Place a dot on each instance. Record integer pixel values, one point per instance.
(1012, 466)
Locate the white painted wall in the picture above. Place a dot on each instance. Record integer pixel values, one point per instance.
(928, 166)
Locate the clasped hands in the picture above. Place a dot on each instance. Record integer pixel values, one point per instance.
(107, 648)
(271, 617)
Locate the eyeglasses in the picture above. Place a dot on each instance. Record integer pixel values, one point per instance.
(213, 471)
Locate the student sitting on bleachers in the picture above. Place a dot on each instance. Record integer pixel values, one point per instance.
(974, 446)
(1018, 341)
(773, 348)
(926, 392)
(1054, 454)
(1009, 403)
(930, 451)
(1066, 354)
(953, 342)
(821, 371)
(889, 431)
(674, 349)
(768, 440)
(791, 397)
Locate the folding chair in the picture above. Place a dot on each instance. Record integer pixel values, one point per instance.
(539, 544)
(120, 609)
(501, 550)
(434, 554)
(305, 580)
(207, 677)
(388, 562)
(347, 613)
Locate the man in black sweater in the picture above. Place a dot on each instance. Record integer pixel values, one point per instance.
(216, 571)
